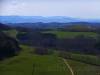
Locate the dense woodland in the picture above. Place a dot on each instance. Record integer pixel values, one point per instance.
(80, 43)
(8, 46)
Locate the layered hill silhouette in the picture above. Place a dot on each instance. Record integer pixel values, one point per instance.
(34, 19)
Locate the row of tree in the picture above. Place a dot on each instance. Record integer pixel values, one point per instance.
(80, 43)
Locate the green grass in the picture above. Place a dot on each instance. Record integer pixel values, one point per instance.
(65, 34)
(78, 62)
(84, 69)
(90, 59)
(11, 32)
(27, 64)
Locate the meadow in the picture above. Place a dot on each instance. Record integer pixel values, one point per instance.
(31, 64)
(28, 63)
(67, 34)
(80, 68)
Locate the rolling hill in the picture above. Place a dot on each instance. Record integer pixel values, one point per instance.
(34, 19)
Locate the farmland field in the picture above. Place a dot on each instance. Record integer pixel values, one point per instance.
(30, 64)
(65, 34)
(27, 63)
(90, 59)
(11, 32)
(84, 69)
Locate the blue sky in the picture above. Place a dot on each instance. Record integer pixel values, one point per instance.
(70, 8)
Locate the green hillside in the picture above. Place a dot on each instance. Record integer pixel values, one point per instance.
(84, 69)
(28, 63)
(65, 34)
(11, 32)
(31, 64)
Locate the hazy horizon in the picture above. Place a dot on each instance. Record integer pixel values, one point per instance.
(47, 8)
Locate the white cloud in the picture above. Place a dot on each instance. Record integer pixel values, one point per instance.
(74, 8)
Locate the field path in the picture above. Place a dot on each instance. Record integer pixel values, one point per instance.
(69, 67)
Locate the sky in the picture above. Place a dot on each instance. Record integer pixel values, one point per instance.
(70, 8)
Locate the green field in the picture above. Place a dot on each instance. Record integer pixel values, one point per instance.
(60, 34)
(65, 34)
(84, 69)
(31, 64)
(28, 63)
(90, 59)
(11, 33)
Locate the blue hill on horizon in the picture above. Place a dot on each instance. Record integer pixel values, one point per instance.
(34, 19)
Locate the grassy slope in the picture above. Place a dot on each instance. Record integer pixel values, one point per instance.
(31, 64)
(84, 69)
(11, 32)
(63, 34)
(27, 63)
(87, 58)
(60, 34)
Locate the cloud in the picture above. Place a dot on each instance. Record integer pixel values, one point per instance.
(48, 0)
(73, 8)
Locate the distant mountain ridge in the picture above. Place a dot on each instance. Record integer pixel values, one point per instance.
(34, 19)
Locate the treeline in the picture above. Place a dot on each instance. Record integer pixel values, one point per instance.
(72, 26)
(80, 43)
